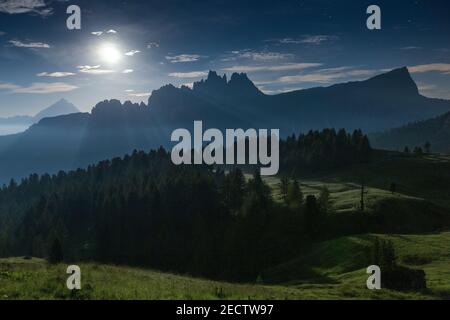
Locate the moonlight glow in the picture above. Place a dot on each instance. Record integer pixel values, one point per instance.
(109, 54)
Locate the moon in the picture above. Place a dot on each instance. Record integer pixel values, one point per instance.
(109, 54)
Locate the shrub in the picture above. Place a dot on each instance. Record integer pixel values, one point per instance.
(403, 278)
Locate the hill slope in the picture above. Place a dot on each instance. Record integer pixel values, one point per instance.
(435, 131)
(342, 262)
(337, 274)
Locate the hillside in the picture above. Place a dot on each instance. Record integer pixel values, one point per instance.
(389, 212)
(336, 274)
(430, 180)
(436, 131)
(341, 263)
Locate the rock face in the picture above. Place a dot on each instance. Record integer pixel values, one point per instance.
(113, 129)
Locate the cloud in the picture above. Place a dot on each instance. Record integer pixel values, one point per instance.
(183, 58)
(21, 44)
(39, 87)
(8, 86)
(433, 67)
(97, 71)
(152, 45)
(2, 33)
(56, 74)
(44, 88)
(426, 87)
(128, 71)
(328, 75)
(307, 39)
(132, 53)
(317, 39)
(99, 33)
(192, 74)
(188, 84)
(433, 91)
(265, 56)
(282, 90)
(285, 41)
(261, 56)
(139, 94)
(25, 6)
(94, 70)
(273, 68)
(89, 67)
(411, 48)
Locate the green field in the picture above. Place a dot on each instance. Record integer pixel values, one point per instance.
(335, 268)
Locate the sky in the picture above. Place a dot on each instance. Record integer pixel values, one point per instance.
(127, 49)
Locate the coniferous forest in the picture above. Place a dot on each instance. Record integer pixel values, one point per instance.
(143, 210)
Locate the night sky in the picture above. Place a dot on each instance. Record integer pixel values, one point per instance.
(126, 49)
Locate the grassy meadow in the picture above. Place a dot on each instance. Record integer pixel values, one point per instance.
(334, 266)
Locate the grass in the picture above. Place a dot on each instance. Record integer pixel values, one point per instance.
(340, 264)
(344, 196)
(426, 177)
(334, 270)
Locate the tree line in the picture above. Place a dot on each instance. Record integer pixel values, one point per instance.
(142, 210)
(199, 220)
(323, 150)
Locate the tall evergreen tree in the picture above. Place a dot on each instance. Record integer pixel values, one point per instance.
(56, 252)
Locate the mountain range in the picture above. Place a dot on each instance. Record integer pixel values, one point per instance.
(113, 129)
(16, 124)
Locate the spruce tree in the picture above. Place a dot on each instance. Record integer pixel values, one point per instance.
(56, 252)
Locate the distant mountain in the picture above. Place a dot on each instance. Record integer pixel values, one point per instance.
(114, 129)
(436, 131)
(61, 107)
(16, 124)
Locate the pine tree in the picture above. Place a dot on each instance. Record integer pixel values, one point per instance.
(56, 252)
(295, 195)
(362, 202)
(312, 216)
(427, 147)
(324, 199)
(284, 188)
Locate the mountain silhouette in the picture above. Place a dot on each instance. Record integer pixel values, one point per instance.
(61, 107)
(113, 128)
(20, 123)
(385, 101)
